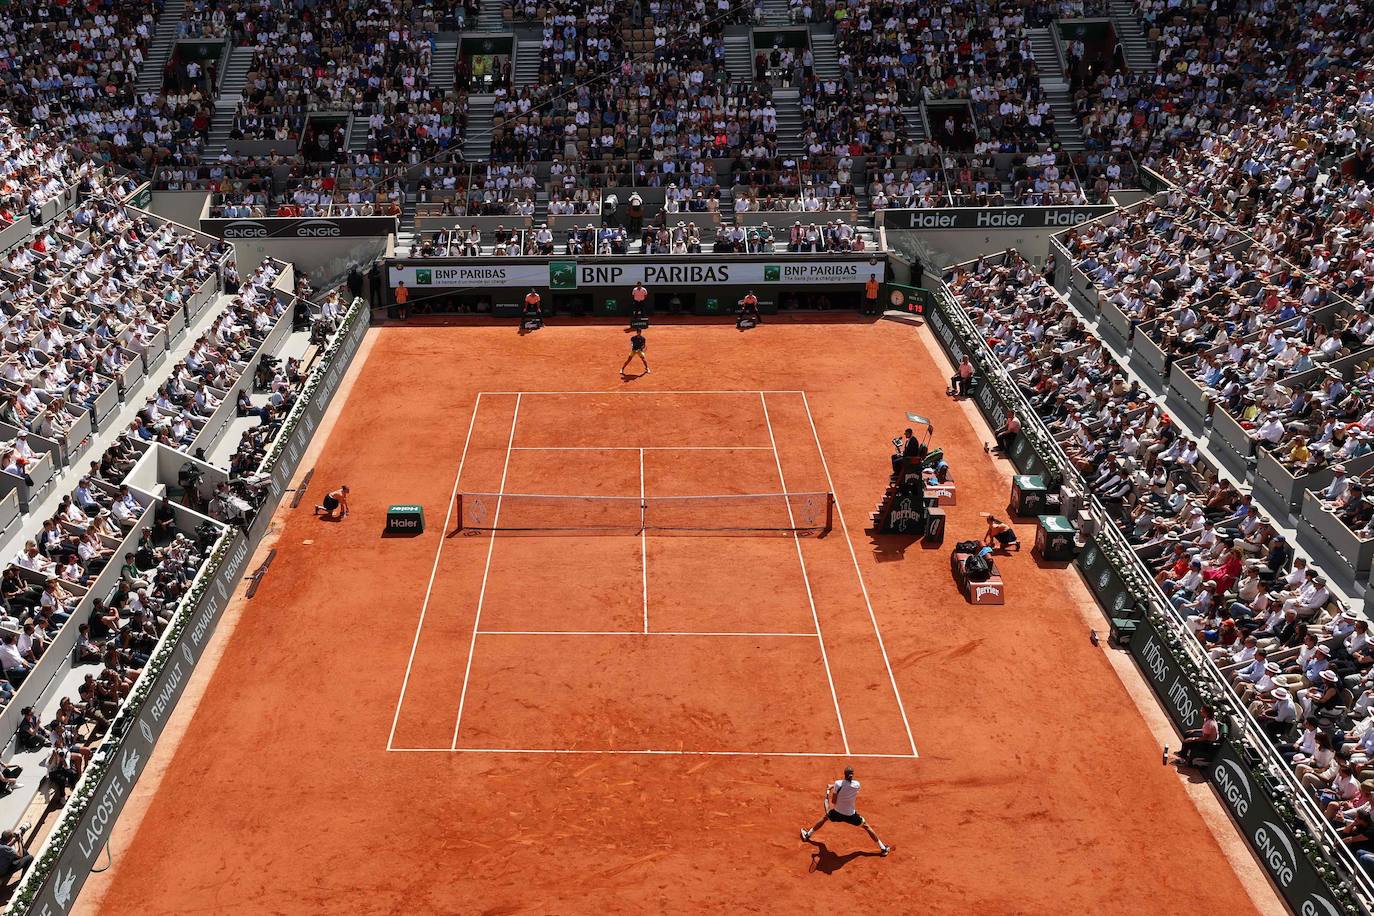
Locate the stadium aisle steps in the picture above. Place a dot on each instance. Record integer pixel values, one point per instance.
(1046, 54)
(527, 61)
(1135, 44)
(788, 105)
(1056, 87)
(357, 133)
(775, 12)
(489, 18)
(827, 58)
(739, 57)
(443, 65)
(227, 102)
(160, 48)
(915, 122)
(1066, 124)
(477, 143)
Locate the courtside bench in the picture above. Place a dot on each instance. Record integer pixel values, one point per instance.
(992, 591)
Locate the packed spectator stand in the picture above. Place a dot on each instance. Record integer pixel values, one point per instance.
(94, 301)
(1294, 656)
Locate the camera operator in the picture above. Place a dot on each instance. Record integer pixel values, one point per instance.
(14, 858)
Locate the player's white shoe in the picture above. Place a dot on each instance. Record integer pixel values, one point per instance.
(883, 850)
(806, 835)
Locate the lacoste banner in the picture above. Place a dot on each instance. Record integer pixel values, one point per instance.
(1267, 832)
(276, 227)
(573, 275)
(992, 217)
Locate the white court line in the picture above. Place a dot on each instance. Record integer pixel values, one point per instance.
(796, 540)
(643, 543)
(666, 394)
(486, 571)
(641, 448)
(901, 707)
(443, 536)
(631, 633)
(644, 753)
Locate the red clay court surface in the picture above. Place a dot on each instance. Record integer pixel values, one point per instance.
(609, 723)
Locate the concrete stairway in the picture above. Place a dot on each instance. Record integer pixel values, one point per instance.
(1135, 46)
(1066, 125)
(787, 102)
(443, 64)
(827, 56)
(1051, 67)
(489, 17)
(915, 122)
(477, 141)
(160, 48)
(775, 12)
(1046, 54)
(526, 61)
(227, 102)
(357, 133)
(739, 57)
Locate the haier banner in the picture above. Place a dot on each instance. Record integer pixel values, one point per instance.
(991, 217)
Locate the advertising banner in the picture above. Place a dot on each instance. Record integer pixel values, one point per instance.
(573, 275)
(306, 227)
(1173, 687)
(1273, 840)
(1103, 578)
(992, 217)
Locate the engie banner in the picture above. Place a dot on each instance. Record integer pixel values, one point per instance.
(1306, 891)
(572, 275)
(296, 227)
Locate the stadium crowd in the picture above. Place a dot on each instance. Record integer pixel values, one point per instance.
(1299, 659)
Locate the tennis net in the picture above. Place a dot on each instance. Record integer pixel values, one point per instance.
(744, 514)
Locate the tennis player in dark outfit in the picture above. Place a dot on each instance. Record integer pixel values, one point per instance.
(839, 807)
(637, 345)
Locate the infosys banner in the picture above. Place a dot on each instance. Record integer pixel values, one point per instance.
(992, 217)
(338, 227)
(572, 275)
(1268, 833)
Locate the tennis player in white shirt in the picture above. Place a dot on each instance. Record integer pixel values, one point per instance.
(839, 807)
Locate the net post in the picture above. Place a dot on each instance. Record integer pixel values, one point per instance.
(829, 512)
(458, 512)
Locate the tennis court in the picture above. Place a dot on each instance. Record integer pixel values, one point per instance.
(460, 722)
(655, 555)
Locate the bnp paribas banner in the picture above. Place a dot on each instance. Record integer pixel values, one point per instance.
(572, 275)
